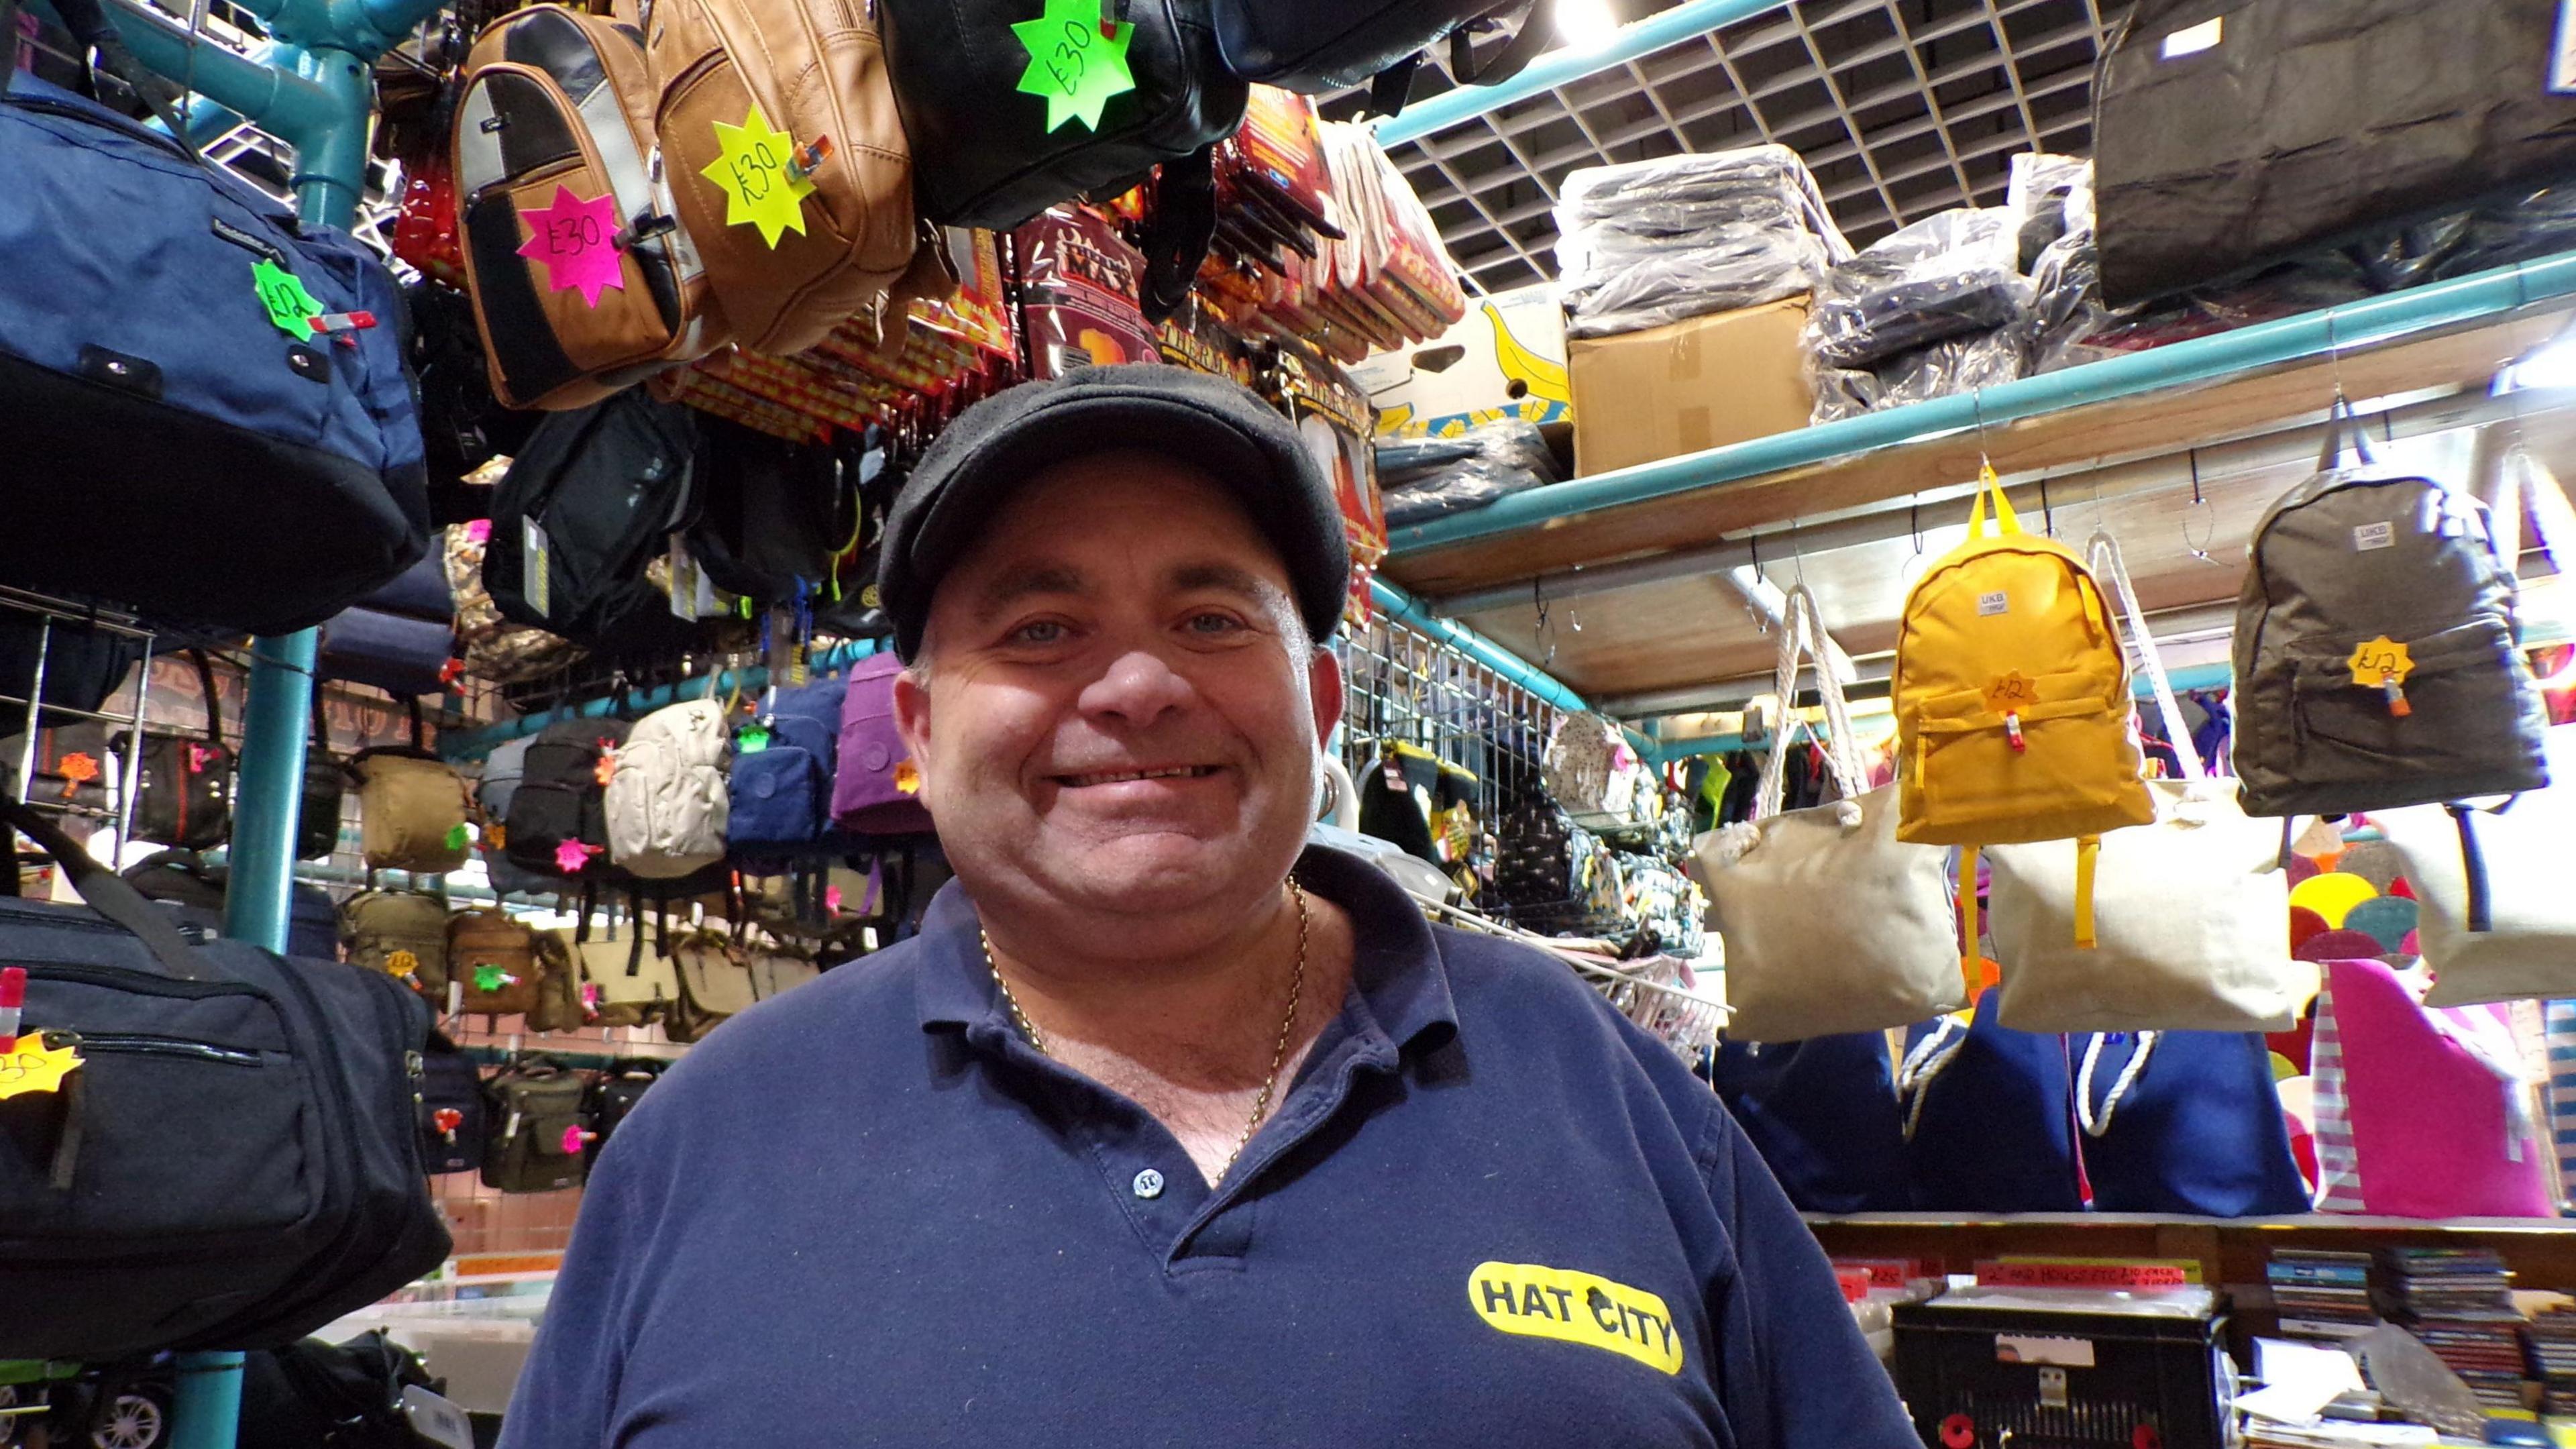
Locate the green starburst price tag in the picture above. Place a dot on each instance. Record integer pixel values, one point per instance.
(282, 292)
(1076, 60)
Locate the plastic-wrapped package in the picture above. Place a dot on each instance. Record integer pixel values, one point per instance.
(1425, 478)
(1948, 274)
(1650, 242)
(1078, 281)
(1941, 369)
(2053, 196)
(2514, 228)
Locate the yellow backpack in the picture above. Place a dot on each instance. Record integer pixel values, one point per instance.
(2012, 706)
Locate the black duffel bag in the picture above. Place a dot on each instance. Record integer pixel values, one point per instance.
(234, 1164)
(981, 151)
(2231, 134)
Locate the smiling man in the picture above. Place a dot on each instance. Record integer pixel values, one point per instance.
(1170, 1129)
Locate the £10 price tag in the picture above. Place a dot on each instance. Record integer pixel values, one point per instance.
(1077, 60)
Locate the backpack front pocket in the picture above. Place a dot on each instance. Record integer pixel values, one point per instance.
(2058, 764)
(2458, 718)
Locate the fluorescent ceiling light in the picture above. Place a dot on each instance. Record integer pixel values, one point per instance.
(1582, 23)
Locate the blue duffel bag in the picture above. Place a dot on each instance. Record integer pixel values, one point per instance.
(171, 447)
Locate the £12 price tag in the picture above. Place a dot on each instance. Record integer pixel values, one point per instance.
(576, 242)
(2379, 662)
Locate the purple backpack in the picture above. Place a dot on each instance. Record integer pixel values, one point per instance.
(876, 789)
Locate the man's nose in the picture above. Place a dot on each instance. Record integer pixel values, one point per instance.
(1137, 689)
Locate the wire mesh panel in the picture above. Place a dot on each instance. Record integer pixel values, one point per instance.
(1404, 687)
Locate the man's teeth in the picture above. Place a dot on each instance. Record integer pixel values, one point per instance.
(1117, 777)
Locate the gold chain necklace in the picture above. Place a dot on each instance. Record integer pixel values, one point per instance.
(1278, 1054)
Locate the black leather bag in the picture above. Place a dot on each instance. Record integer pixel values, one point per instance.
(1316, 46)
(981, 152)
(234, 1164)
(317, 1395)
(184, 785)
(181, 882)
(326, 785)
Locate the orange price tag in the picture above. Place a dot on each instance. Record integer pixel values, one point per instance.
(31, 1066)
(2380, 662)
(2011, 693)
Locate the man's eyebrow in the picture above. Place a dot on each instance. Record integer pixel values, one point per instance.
(1224, 577)
(1017, 584)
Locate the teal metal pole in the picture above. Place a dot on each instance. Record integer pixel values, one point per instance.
(2473, 298)
(322, 108)
(1568, 65)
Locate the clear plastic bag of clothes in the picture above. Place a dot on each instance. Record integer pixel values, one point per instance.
(1650, 242)
(1941, 369)
(1426, 478)
(1948, 274)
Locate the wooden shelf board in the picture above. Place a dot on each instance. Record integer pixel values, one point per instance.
(2142, 426)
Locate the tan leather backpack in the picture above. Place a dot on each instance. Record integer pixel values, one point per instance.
(815, 71)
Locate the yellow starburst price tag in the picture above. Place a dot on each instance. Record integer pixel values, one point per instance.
(31, 1066)
(761, 186)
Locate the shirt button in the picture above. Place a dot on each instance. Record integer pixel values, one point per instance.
(1149, 1184)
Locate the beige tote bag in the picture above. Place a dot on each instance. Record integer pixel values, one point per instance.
(2191, 914)
(1831, 924)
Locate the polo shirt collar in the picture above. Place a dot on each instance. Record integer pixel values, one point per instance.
(1396, 968)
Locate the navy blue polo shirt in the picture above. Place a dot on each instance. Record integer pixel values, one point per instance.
(1490, 1211)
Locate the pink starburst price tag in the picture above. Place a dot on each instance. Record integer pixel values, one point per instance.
(576, 240)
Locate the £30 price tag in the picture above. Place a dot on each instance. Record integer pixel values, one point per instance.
(761, 186)
(576, 242)
(1077, 60)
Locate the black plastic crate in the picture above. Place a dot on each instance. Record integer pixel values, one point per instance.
(2061, 1368)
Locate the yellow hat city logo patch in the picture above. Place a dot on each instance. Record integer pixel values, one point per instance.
(1584, 1308)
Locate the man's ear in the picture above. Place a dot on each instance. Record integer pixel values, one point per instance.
(912, 719)
(1324, 692)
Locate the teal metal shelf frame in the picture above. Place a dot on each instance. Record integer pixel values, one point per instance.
(2461, 301)
(312, 87)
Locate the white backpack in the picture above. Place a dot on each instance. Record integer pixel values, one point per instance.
(666, 799)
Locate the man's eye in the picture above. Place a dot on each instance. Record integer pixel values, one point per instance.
(1214, 623)
(1038, 631)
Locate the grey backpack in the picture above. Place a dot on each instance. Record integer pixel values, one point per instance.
(2376, 656)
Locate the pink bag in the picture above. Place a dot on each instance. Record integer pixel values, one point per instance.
(876, 788)
(2422, 1112)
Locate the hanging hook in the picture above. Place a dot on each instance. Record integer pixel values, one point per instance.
(2334, 359)
(1797, 555)
(2047, 515)
(1985, 461)
(1546, 635)
(2199, 506)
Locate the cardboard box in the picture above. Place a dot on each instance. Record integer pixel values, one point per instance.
(1505, 358)
(1702, 382)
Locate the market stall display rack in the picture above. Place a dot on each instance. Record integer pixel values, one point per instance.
(1402, 685)
(1641, 549)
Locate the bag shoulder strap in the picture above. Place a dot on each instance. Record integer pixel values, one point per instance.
(111, 897)
(2112, 573)
(1802, 631)
(214, 699)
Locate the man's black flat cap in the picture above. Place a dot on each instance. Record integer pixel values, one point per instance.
(1209, 422)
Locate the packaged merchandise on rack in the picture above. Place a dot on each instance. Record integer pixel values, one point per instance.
(1425, 478)
(1079, 293)
(1651, 242)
